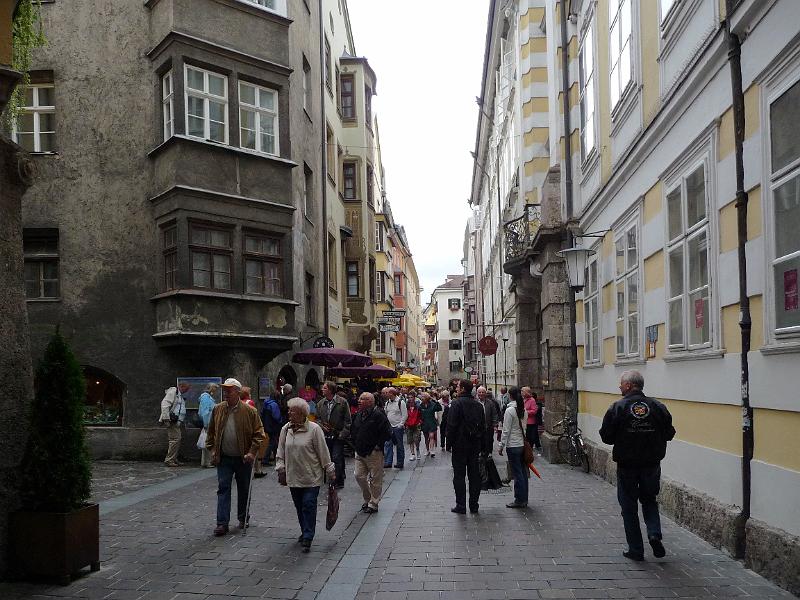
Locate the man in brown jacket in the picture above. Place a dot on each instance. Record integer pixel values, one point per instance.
(235, 434)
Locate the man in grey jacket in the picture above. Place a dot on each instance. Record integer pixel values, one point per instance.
(396, 412)
(333, 415)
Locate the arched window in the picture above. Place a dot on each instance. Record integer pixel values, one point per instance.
(104, 398)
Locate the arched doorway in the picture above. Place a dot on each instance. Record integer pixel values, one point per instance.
(312, 379)
(287, 375)
(104, 397)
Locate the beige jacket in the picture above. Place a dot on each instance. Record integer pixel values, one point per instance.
(304, 455)
(249, 430)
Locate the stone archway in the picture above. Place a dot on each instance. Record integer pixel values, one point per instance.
(288, 375)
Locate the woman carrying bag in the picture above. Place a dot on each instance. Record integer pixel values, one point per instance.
(513, 439)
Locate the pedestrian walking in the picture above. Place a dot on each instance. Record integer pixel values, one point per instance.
(235, 434)
(505, 398)
(466, 427)
(173, 414)
(513, 441)
(204, 410)
(245, 397)
(492, 418)
(413, 427)
(430, 422)
(370, 431)
(639, 428)
(533, 410)
(444, 398)
(397, 413)
(271, 419)
(333, 415)
(301, 462)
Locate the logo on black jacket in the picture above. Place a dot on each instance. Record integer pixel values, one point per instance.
(640, 410)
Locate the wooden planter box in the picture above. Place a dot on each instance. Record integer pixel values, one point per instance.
(55, 545)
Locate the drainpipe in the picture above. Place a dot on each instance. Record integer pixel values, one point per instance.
(323, 129)
(735, 62)
(570, 238)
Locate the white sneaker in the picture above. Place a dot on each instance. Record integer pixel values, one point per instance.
(413, 457)
(433, 454)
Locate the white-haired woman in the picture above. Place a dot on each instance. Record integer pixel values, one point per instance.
(301, 461)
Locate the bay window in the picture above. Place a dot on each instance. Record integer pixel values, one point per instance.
(258, 118)
(206, 105)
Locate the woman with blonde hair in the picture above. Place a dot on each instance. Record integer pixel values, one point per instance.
(302, 461)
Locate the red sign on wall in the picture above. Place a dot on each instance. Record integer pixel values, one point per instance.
(487, 345)
(790, 289)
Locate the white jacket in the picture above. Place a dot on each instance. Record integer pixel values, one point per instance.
(513, 434)
(172, 399)
(396, 412)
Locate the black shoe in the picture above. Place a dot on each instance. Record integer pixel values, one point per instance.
(459, 510)
(370, 511)
(387, 466)
(398, 467)
(300, 539)
(338, 486)
(658, 547)
(473, 509)
(516, 504)
(306, 546)
(364, 507)
(259, 475)
(630, 555)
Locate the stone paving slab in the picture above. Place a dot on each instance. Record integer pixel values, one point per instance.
(566, 545)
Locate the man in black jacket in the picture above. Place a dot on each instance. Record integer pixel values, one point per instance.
(465, 432)
(639, 428)
(369, 432)
(333, 415)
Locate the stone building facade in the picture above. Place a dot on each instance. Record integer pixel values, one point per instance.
(166, 233)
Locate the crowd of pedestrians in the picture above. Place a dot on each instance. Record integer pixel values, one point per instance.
(306, 438)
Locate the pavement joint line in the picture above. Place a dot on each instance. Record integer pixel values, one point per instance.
(152, 491)
(352, 567)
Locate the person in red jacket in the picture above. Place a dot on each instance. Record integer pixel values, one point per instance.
(413, 427)
(533, 410)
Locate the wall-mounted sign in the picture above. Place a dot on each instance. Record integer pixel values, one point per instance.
(393, 328)
(323, 342)
(389, 320)
(487, 346)
(400, 312)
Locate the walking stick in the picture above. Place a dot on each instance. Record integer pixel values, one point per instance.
(249, 498)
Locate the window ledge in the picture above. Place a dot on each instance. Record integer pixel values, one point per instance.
(694, 355)
(43, 300)
(593, 365)
(781, 348)
(54, 153)
(631, 360)
(224, 147)
(225, 295)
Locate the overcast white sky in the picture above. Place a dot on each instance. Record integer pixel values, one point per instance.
(428, 62)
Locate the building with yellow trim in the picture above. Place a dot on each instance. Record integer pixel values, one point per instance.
(648, 166)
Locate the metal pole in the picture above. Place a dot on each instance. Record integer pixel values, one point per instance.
(735, 61)
(325, 260)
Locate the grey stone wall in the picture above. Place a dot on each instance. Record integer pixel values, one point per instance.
(15, 362)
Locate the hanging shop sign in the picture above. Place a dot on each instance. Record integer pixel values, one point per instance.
(487, 346)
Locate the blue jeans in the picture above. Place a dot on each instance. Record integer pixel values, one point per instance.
(336, 448)
(519, 471)
(228, 468)
(388, 448)
(305, 503)
(639, 485)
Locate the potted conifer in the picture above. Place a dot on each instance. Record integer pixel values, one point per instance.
(57, 533)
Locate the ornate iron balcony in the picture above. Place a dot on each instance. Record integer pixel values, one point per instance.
(519, 232)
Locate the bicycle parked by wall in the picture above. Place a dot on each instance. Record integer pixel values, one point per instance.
(571, 446)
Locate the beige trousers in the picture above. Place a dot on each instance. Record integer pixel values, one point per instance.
(174, 437)
(369, 475)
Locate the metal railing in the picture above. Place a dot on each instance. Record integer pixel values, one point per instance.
(519, 232)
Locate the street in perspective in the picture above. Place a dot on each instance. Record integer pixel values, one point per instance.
(337, 300)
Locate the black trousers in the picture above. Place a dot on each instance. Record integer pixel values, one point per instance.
(465, 463)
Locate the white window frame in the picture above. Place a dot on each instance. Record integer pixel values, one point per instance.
(260, 113)
(614, 18)
(307, 87)
(379, 285)
(168, 104)
(273, 6)
(783, 76)
(592, 320)
(631, 271)
(206, 97)
(682, 240)
(37, 111)
(587, 152)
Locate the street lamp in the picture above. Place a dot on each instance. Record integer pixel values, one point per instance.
(576, 259)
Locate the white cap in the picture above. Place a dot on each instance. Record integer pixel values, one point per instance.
(231, 382)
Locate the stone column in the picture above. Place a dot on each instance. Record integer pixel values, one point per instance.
(528, 330)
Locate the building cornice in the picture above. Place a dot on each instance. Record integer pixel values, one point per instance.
(214, 195)
(226, 51)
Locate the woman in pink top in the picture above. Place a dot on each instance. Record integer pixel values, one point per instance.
(532, 408)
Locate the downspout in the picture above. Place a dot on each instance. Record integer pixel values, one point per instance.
(570, 237)
(323, 130)
(735, 62)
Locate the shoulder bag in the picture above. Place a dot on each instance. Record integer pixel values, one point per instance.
(527, 451)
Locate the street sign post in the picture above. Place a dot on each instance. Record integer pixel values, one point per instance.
(382, 328)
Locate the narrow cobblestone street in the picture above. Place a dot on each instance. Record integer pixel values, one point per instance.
(157, 544)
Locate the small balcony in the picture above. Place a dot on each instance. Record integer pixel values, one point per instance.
(520, 232)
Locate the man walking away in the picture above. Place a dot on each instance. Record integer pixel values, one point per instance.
(370, 431)
(396, 412)
(333, 415)
(235, 434)
(639, 428)
(491, 419)
(466, 427)
(271, 419)
(173, 414)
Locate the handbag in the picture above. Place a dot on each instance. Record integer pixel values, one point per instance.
(201, 440)
(527, 451)
(333, 507)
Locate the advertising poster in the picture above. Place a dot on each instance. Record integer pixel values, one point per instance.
(198, 385)
(264, 387)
